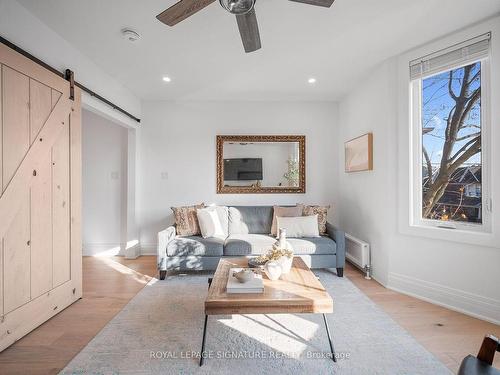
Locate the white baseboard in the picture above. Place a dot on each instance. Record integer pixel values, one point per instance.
(112, 249)
(477, 306)
(93, 249)
(373, 275)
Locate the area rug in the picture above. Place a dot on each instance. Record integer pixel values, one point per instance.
(160, 332)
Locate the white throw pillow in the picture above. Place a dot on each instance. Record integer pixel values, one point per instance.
(300, 226)
(210, 224)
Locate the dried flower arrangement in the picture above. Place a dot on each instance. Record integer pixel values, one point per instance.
(274, 254)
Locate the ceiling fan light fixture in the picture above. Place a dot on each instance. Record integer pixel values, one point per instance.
(244, 10)
(237, 6)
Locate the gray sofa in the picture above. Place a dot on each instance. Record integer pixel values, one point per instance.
(247, 230)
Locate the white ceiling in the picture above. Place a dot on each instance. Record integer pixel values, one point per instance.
(205, 59)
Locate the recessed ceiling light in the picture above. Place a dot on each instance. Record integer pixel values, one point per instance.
(167, 79)
(311, 80)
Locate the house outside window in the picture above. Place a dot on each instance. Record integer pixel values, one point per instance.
(449, 99)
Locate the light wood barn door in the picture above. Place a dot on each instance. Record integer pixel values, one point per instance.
(40, 195)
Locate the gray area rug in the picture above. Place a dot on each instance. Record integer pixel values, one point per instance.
(160, 332)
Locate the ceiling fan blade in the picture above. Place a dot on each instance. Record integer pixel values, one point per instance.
(321, 3)
(182, 10)
(249, 31)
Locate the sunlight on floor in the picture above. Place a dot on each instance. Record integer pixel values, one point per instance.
(152, 282)
(115, 250)
(108, 253)
(294, 338)
(106, 257)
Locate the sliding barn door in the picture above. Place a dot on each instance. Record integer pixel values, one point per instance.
(40, 190)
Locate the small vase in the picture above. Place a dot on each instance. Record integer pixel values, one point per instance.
(281, 242)
(273, 270)
(286, 264)
(282, 238)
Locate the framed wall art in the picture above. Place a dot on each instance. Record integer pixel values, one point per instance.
(359, 153)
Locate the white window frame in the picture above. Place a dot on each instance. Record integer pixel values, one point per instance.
(405, 147)
(417, 158)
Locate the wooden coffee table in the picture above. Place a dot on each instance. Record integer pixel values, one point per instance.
(298, 292)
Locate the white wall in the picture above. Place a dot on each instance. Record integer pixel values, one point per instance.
(178, 139)
(461, 276)
(366, 203)
(104, 154)
(274, 157)
(22, 28)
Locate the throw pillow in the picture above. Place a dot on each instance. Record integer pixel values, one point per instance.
(285, 212)
(322, 212)
(186, 220)
(301, 226)
(223, 213)
(210, 224)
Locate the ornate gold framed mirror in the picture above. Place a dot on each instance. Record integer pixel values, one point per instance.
(261, 164)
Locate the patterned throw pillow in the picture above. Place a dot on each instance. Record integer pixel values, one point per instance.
(322, 212)
(186, 220)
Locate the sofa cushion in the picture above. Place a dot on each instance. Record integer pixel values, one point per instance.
(255, 244)
(313, 245)
(250, 219)
(246, 244)
(195, 245)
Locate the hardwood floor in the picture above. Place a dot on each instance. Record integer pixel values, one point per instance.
(449, 335)
(107, 286)
(109, 283)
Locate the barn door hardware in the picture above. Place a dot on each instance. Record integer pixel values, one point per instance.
(64, 75)
(69, 75)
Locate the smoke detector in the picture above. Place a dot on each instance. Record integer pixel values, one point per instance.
(130, 35)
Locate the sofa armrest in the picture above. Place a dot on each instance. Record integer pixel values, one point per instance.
(164, 237)
(339, 237)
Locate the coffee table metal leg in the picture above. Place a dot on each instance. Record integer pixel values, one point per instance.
(329, 339)
(203, 341)
(204, 330)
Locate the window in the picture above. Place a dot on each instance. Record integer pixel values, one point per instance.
(449, 99)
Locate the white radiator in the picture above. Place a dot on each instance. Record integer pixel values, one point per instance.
(358, 253)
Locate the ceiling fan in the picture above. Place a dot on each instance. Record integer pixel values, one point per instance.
(244, 10)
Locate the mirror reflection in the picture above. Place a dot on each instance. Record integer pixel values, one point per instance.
(261, 164)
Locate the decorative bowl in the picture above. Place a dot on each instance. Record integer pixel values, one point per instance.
(256, 262)
(244, 276)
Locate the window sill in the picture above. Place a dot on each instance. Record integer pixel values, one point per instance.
(471, 237)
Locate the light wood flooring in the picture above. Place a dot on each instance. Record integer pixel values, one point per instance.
(109, 283)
